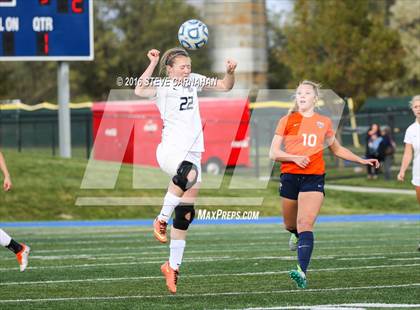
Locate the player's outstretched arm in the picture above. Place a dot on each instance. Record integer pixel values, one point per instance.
(406, 160)
(228, 80)
(144, 87)
(277, 154)
(344, 153)
(7, 183)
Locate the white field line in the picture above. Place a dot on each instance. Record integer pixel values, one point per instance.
(264, 273)
(386, 240)
(237, 231)
(234, 293)
(155, 255)
(278, 246)
(96, 250)
(337, 233)
(355, 228)
(88, 257)
(144, 256)
(70, 231)
(362, 258)
(354, 306)
(215, 229)
(191, 260)
(139, 238)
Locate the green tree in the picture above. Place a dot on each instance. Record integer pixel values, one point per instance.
(405, 18)
(278, 74)
(31, 82)
(148, 24)
(124, 32)
(343, 45)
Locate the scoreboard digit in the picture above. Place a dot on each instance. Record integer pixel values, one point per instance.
(56, 30)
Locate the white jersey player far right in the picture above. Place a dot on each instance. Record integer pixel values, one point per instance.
(179, 153)
(412, 147)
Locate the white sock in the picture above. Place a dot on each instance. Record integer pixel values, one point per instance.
(169, 204)
(176, 252)
(4, 238)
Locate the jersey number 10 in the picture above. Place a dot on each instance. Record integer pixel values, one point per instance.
(309, 140)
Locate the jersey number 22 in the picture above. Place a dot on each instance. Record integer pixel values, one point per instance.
(186, 103)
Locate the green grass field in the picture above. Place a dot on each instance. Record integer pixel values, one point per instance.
(225, 267)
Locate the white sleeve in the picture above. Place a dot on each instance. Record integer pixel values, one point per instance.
(160, 97)
(198, 81)
(161, 91)
(408, 138)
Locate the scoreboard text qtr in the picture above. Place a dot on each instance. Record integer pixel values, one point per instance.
(46, 30)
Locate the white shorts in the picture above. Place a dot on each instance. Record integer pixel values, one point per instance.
(170, 158)
(415, 181)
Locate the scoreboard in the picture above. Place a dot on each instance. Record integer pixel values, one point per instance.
(56, 30)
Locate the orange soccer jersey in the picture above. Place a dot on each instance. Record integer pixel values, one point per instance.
(305, 136)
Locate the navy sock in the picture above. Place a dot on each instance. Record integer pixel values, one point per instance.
(304, 250)
(14, 246)
(294, 231)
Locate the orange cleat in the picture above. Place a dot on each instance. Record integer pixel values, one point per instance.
(159, 230)
(22, 257)
(171, 276)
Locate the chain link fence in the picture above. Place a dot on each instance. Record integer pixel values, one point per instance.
(38, 130)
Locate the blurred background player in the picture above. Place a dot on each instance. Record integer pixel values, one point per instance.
(21, 250)
(412, 146)
(179, 153)
(373, 140)
(303, 134)
(386, 151)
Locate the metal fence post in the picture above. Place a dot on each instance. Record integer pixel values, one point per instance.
(53, 137)
(257, 151)
(19, 131)
(88, 141)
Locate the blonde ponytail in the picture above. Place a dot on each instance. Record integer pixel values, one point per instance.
(169, 56)
(415, 98)
(316, 87)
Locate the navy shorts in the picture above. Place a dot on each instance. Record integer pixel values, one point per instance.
(292, 184)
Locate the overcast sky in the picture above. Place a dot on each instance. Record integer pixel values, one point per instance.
(280, 5)
(275, 5)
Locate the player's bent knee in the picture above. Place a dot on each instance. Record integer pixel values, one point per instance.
(184, 215)
(305, 226)
(186, 175)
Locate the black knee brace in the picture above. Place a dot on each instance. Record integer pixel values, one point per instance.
(181, 177)
(180, 221)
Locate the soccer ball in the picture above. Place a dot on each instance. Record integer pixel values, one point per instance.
(193, 34)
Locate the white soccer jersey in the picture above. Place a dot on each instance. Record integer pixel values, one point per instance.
(179, 110)
(412, 136)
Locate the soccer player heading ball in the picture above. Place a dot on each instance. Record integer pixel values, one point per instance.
(21, 250)
(303, 133)
(179, 153)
